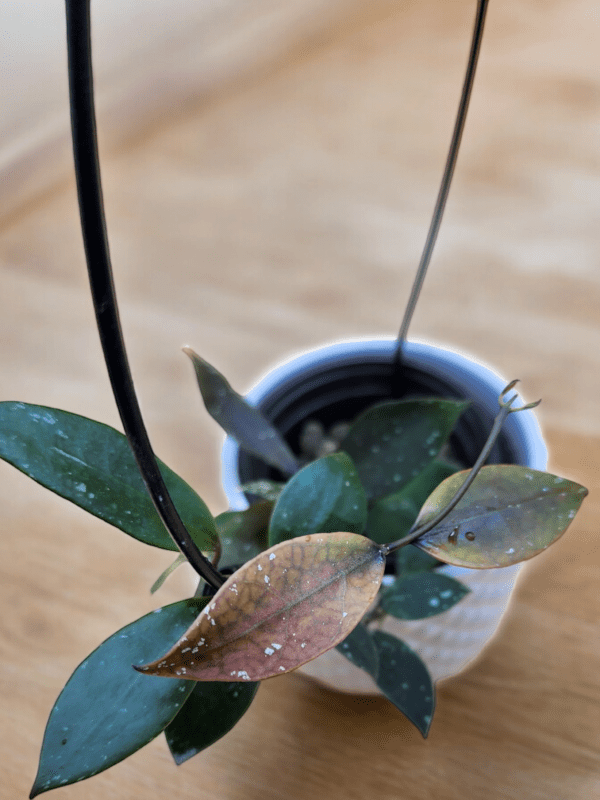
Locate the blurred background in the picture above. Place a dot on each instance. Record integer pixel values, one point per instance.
(269, 173)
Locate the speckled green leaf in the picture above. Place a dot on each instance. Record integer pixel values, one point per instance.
(239, 419)
(107, 710)
(404, 680)
(393, 442)
(422, 595)
(359, 649)
(243, 534)
(91, 465)
(323, 497)
(391, 517)
(508, 515)
(268, 490)
(211, 711)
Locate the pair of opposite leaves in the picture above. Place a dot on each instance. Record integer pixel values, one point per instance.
(303, 596)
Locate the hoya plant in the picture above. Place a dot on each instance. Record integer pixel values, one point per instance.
(297, 573)
(353, 531)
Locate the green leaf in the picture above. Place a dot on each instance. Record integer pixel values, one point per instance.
(391, 443)
(268, 490)
(287, 606)
(391, 517)
(239, 419)
(422, 595)
(410, 559)
(508, 515)
(404, 680)
(91, 465)
(360, 650)
(243, 534)
(181, 559)
(107, 710)
(323, 497)
(212, 710)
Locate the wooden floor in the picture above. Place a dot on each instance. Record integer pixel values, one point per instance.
(286, 211)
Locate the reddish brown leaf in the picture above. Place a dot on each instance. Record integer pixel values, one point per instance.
(285, 607)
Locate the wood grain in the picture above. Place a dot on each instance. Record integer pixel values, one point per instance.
(278, 215)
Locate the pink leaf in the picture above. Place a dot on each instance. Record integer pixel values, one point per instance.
(287, 606)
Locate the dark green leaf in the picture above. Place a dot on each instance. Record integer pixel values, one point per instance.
(268, 490)
(393, 442)
(508, 515)
(360, 650)
(107, 710)
(243, 534)
(211, 711)
(239, 419)
(391, 517)
(91, 465)
(410, 559)
(422, 595)
(405, 680)
(323, 497)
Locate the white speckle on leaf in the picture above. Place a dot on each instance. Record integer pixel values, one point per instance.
(303, 644)
(259, 567)
(80, 487)
(243, 675)
(267, 580)
(269, 651)
(272, 556)
(276, 646)
(434, 602)
(282, 669)
(344, 613)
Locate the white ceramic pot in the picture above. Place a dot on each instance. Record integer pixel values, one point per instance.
(336, 382)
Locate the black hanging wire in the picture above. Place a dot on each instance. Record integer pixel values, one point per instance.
(440, 204)
(93, 226)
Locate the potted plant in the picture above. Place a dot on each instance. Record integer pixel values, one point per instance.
(354, 503)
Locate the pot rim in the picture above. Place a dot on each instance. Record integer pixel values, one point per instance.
(451, 365)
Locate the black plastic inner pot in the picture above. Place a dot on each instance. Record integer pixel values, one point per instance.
(338, 393)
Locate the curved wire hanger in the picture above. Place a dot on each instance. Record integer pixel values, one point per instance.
(447, 176)
(93, 227)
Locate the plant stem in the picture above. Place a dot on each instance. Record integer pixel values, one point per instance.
(93, 226)
(505, 410)
(451, 159)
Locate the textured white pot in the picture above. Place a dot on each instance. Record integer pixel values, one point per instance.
(449, 641)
